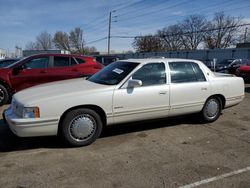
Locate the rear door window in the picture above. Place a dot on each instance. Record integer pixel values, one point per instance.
(182, 72)
(61, 61)
(198, 72)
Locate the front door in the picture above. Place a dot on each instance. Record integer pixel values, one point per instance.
(151, 100)
(33, 72)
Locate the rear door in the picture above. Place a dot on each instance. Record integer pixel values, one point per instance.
(65, 68)
(189, 88)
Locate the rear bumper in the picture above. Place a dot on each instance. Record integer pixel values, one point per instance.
(31, 126)
(232, 101)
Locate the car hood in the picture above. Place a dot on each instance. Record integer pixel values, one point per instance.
(53, 90)
(4, 70)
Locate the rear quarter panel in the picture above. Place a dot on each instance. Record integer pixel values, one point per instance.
(232, 88)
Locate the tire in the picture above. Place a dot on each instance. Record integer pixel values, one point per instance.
(4, 95)
(81, 127)
(212, 109)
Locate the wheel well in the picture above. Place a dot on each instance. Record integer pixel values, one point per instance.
(97, 109)
(222, 99)
(5, 85)
(9, 90)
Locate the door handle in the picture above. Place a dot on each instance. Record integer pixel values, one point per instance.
(74, 70)
(43, 72)
(162, 92)
(203, 88)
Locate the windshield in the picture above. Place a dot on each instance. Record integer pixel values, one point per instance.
(8, 62)
(113, 73)
(13, 64)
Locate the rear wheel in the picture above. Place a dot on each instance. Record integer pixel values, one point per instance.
(4, 95)
(81, 127)
(212, 109)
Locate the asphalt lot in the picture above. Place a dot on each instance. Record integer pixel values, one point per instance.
(161, 153)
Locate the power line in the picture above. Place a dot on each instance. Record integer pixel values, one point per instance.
(201, 10)
(185, 33)
(103, 15)
(129, 5)
(152, 12)
(98, 40)
(155, 12)
(145, 8)
(158, 10)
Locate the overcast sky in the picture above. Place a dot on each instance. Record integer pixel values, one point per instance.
(22, 20)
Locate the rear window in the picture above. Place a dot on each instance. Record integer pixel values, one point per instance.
(80, 61)
(73, 61)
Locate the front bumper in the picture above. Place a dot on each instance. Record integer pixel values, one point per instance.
(28, 127)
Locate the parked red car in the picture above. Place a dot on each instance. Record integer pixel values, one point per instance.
(244, 72)
(43, 68)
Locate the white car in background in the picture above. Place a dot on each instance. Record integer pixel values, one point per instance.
(125, 91)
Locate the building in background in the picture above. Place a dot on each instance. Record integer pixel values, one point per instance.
(18, 52)
(33, 52)
(2, 53)
(243, 45)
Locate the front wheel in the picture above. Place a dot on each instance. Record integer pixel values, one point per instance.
(212, 109)
(4, 95)
(81, 127)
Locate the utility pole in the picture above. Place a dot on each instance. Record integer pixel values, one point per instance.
(110, 16)
(109, 33)
(245, 35)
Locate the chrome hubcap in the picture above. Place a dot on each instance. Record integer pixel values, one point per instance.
(212, 108)
(82, 127)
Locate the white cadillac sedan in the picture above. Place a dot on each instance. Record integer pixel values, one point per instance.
(125, 91)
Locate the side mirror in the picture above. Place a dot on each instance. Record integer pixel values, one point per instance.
(17, 69)
(134, 83)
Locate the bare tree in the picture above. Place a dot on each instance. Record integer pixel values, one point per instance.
(191, 28)
(72, 42)
(61, 41)
(44, 41)
(31, 46)
(89, 50)
(223, 31)
(244, 36)
(148, 44)
(172, 37)
(76, 40)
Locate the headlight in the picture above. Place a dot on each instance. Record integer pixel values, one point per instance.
(31, 112)
(13, 103)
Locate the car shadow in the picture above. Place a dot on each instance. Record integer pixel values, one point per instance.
(10, 142)
(247, 89)
(149, 125)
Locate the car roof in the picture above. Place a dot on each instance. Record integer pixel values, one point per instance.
(62, 55)
(151, 60)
